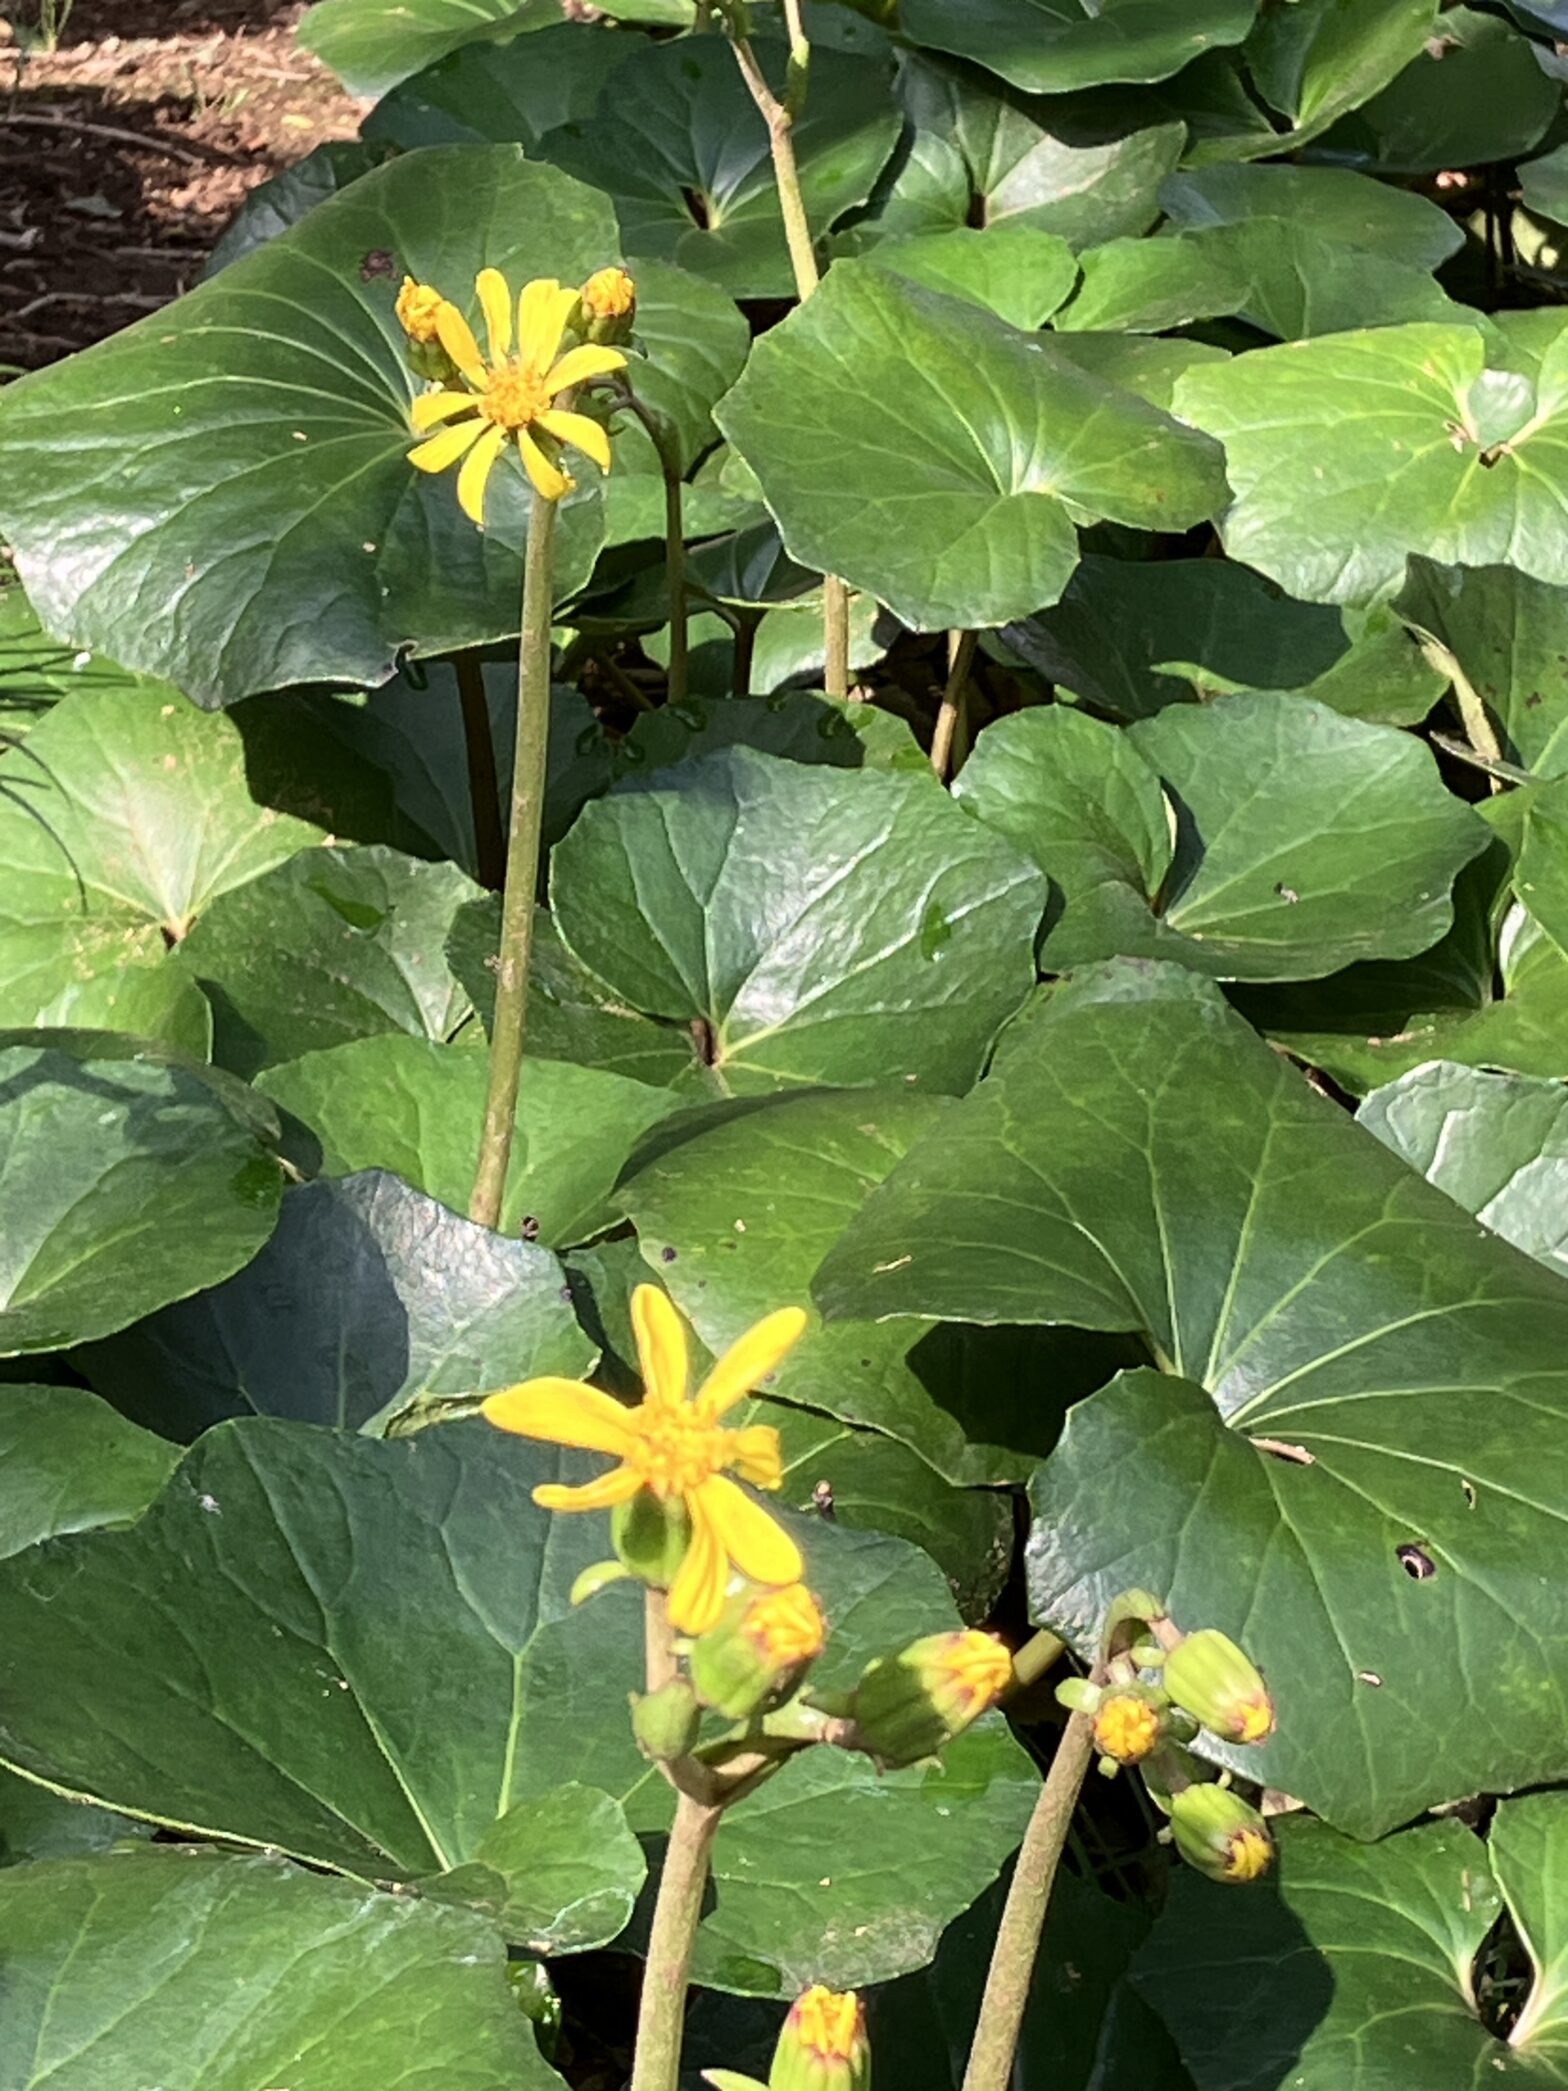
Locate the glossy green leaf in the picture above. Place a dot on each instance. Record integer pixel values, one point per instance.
(370, 1300)
(416, 1107)
(1012, 269)
(952, 496)
(1305, 840)
(335, 944)
(38, 1824)
(1348, 453)
(372, 44)
(1051, 46)
(500, 93)
(679, 145)
(201, 1972)
(1352, 210)
(281, 201)
(222, 494)
(386, 1662)
(690, 345)
(889, 940)
(36, 671)
(1496, 1143)
(559, 1873)
(1474, 94)
(1346, 1363)
(125, 1185)
(1543, 183)
(1508, 635)
(68, 1463)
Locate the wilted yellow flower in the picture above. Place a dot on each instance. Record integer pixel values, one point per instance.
(418, 305)
(511, 393)
(674, 1445)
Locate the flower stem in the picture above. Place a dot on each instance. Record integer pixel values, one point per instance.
(1040, 1653)
(661, 2017)
(484, 789)
(522, 866)
(963, 654)
(780, 118)
(1023, 1918)
(660, 435)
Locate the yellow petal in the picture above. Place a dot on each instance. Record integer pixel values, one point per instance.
(618, 1486)
(588, 436)
(495, 302)
(431, 407)
(543, 308)
(550, 480)
(759, 1548)
(661, 1344)
(750, 1359)
(476, 471)
(754, 1454)
(457, 338)
(564, 1412)
(697, 1593)
(445, 448)
(590, 361)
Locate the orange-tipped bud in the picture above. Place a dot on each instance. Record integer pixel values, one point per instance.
(823, 2046)
(1220, 1833)
(907, 1706)
(607, 306)
(759, 1650)
(1209, 1677)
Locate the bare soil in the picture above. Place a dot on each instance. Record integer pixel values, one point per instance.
(126, 150)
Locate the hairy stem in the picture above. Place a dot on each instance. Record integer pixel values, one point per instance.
(661, 2016)
(951, 711)
(1023, 1918)
(484, 789)
(522, 867)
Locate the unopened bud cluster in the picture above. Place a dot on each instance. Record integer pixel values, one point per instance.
(1157, 1688)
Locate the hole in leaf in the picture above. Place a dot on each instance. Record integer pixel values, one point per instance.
(1416, 1562)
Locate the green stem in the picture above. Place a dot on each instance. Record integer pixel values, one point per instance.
(1023, 1918)
(522, 866)
(745, 652)
(1040, 1653)
(661, 2016)
(484, 788)
(674, 537)
(952, 707)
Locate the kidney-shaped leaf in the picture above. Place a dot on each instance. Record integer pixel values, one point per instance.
(125, 1184)
(1376, 1473)
(940, 459)
(819, 925)
(1052, 46)
(201, 1972)
(68, 1463)
(222, 493)
(1349, 453)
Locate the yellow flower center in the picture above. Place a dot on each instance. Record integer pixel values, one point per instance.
(787, 1626)
(1254, 1720)
(675, 1450)
(1126, 1727)
(1248, 1852)
(417, 306)
(608, 294)
(514, 395)
(828, 2024)
(976, 1668)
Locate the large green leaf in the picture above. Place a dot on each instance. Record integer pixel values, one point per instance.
(887, 938)
(126, 813)
(198, 1972)
(68, 1463)
(1473, 94)
(1051, 46)
(1372, 1373)
(1361, 1972)
(679, 145)
(372, 44)
(1351, 209)
(38, 1824)
(1305, 840)
(940, 459)
(370, 1299)
(222, 494)
(1508, 634)
(125, 1185)
(500, 92)
(333, 945)
(1130, 637)
(416, 1107)
(1012, 269)
(1351, 452)
(385, 1663)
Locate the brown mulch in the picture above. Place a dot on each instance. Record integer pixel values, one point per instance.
(126, 150)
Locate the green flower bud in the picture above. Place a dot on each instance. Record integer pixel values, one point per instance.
(907, 1706)
(1220, 1833)
(650, 1535)
(1210, 1677)
(665, 1722)
(759, 1649)
(823, 2046)
(607, 307)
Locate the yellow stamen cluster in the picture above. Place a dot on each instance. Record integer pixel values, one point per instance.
(1126, 1727)
(830, 2025)
(1248, 1853)
(418, 308)
(787, 1626)
(609, 294)
(972, 1670)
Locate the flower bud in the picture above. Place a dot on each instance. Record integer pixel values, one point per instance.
(823, 2046)
(1129, 1723)
(418, 308)
(1220, 1833)
(759, 1649)
(607, 306)
(665, 1722)
(907, 1706)
(1210, 1678)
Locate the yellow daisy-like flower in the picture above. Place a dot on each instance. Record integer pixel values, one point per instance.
(511, 392)
(675, 1445)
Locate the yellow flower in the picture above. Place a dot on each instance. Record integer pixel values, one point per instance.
(675, 1445)
(1127, 1726)
(609, 294)
(512, 393)
(417, 307)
